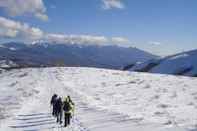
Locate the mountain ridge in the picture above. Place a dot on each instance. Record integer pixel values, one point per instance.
(58, 54)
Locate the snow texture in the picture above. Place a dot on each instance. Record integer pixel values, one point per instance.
(105, 100)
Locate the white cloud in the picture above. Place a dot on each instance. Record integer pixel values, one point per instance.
(120, 40)
(42, 17)
(110, 4)
(76, 39)
(13, 29)
(154, 43)
(86, 39)
(35, 8)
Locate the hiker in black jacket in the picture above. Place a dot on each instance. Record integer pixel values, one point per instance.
(53, 101)
(58, 110)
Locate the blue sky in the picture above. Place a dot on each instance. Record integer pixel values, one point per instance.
(161, 27)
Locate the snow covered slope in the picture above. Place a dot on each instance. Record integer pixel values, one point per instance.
(180, 64)
(183, 64)
(105, 100)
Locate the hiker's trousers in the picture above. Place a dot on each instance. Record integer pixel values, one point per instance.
(67, 117)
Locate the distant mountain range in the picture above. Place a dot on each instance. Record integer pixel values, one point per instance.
(15, 54)
(43, 54)
(179, 64)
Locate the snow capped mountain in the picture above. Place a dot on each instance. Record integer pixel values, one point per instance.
(41, 53)
(7, 64)
(104, 100)
(179, 64)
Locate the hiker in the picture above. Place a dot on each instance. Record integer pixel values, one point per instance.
(68, 107)
(53, 101)
(58, 110)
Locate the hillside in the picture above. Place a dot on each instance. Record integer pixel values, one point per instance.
(179, 64)
(105, 100)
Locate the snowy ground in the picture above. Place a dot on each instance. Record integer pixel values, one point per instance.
(105, 100)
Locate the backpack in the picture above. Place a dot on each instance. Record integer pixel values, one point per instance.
(67, 107)
(58, 104)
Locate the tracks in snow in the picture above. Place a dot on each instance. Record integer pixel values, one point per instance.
(33, 118)
(33, 122)
(94, 119)
(86, 118)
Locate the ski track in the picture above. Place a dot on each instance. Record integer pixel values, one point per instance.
(34, 114)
